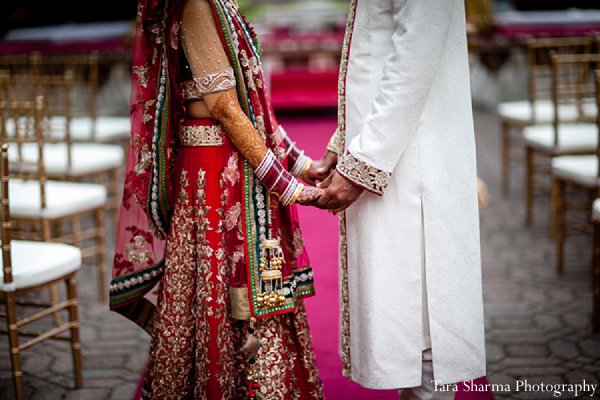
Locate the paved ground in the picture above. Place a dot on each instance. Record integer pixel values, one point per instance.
(538, 323)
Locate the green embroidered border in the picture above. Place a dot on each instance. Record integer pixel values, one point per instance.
(159, 141)
(163, 191)
(120, 296)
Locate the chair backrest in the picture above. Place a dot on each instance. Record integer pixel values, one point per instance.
(56, 89)
(573, 85)
(5, 218)
(85, 69)
(539, 53)
(57, 92)
(30, 129)
(16, 63)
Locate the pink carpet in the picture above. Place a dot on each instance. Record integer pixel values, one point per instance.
(321, 237)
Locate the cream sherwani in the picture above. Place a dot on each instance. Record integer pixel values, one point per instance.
(406, 135)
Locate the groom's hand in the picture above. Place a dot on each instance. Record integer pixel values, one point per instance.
(339, 193)
(321, 169)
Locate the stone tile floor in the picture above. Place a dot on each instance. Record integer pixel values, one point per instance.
(538, 323)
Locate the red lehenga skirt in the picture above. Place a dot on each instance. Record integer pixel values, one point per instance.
(196, 347)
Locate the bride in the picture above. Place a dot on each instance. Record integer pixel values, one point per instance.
(209, 257)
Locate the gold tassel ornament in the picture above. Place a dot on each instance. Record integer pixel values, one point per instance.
(271, 263)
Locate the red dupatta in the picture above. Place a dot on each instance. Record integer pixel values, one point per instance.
(156, 110)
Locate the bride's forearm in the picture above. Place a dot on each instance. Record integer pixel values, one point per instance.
(224, 107)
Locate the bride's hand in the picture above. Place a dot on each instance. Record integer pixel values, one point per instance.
(309, 196)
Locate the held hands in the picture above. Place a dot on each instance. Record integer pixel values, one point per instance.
(339, 193)
(333, 192)
(321, 169)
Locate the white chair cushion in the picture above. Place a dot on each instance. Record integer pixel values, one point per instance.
(596, 210)
(62, 198)
(571, 137)
(35, 263)
(108, 129)
(582, 170)
(544, 111)
(86, 158)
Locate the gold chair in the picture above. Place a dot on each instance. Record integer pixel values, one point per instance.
(30, 266)
(43, 209)
(16, 63)
(86, 124)
(538, 108)
(66, 159)
(580, 173)
(572, 86)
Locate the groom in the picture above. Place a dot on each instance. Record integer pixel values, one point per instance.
(405, 177)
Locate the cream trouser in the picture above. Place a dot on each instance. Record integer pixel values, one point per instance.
(425, 391)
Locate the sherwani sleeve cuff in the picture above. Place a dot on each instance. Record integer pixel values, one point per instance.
(363, 174)
(335, 143)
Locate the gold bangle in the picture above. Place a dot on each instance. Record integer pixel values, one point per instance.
(297, 194)
(294, 198)
(306, 168)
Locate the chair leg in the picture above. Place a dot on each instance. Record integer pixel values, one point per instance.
(560, 223)
(76, 226)
(552, 218)
(13, 341)
(596, 280)
(505, 132)
(529, 181)
(75, 341)
(100, 253)
(54, 298)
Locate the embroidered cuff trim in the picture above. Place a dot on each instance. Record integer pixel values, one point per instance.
(362, 174)
(209, 83)
(335, 143)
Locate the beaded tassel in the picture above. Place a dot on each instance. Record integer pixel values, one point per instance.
(271, 263)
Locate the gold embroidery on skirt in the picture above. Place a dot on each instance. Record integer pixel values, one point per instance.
(170, 356)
